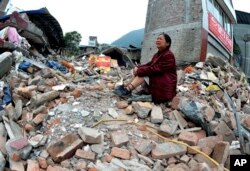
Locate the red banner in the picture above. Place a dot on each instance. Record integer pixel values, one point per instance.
(216, 28)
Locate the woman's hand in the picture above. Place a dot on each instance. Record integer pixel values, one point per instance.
(134, 71)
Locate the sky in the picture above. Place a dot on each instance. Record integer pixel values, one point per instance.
(106, 19)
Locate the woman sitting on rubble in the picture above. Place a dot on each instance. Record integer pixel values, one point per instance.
(159, 74)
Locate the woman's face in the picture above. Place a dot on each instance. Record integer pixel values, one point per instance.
(161, 42)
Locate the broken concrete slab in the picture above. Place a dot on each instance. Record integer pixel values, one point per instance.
(89, 155)
(119, 138)
(156, 114)
(3, 138)
(141, 109)
(189, 138)
(181, 121)
(168, 127)
(2, 161)
(13, 129)
(90, 135)
(5, 63)
(144, 147)
(167, 150)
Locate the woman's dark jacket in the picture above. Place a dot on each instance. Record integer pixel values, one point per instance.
(161, 71)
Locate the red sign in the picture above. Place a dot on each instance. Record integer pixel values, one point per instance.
(216, 28)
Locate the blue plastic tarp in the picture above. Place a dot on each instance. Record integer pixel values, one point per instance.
(57, 66)
(7, 97)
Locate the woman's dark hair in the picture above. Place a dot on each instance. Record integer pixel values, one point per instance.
(167, 38)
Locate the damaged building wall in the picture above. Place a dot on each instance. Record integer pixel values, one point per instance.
(182, 20)
(198, 28)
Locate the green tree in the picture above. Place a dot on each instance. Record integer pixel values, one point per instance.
(72, 41)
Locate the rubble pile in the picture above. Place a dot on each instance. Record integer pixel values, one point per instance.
(55, 121)
(57, 114)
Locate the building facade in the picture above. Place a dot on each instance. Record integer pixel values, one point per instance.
(198, 28)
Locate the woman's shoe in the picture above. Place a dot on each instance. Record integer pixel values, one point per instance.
(122, 91)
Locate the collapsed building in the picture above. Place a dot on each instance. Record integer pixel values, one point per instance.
(38, 27)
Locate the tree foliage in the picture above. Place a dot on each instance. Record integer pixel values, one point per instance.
(72, 41)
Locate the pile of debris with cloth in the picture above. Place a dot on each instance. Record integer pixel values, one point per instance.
(53, 119)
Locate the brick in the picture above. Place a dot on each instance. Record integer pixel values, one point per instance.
(81, 165)
(204, 166)
(213, 125)
(89, 155)
(120, 153)
(246, 121)
(179, 167)
(122, 104)
(188, 137)
(18, 143)
(144, 147)
(106, 158)
(167, 150)
(65, 148)
(42, 162)
(181, 121)
(231, 120)
(225, 131)
(76, 93)
(128, 110)
(142, 109)
(175, 102)
(26, 91)
(209, 141)
(191, 151)
(39, 119)
(33, 165)
(221, 152)
(200, 134)
(56, 168)
(28, 127)
(65, 163)
(90, 135)
(172, 160)
(202, 159)
(208, 112)
(36, 140)
(168, 127)
(193, 164)
(119, 138)
(35, 80)
(145, 104)
(185, 159)
(207, 150)
(44, 154)
(156, 114)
